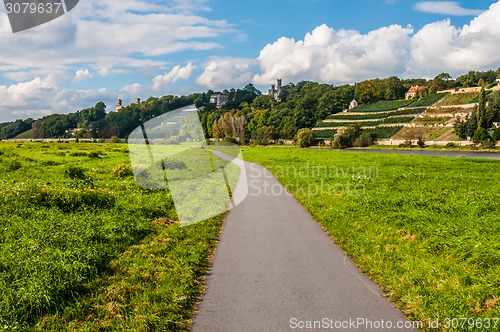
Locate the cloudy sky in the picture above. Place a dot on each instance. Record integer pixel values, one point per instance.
(104, 50)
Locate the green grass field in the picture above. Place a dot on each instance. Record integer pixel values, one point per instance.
(84, 248)
(426, 229)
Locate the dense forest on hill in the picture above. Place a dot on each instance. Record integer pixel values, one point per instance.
(248, 115)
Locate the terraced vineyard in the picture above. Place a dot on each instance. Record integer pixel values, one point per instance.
(459, 99)
(382, 119)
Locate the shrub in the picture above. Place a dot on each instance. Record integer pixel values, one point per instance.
(94, 155)
(496, 134)
(115, 139)
(71, 200)
(489, 144)
(171, 164)
(480, 136)
(122, 171)
(305, 138)
(13, 165)
(231, 140)
(78, 154)
(406, 144)
(450, 145)
(74, 172)
(341, 141)
(364, 140)
(87, 182)
(421, 143)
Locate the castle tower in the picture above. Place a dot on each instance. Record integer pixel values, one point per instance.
(119, 105)
(137, 101)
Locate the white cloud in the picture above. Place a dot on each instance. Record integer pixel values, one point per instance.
(43, 96)
(177, 73)
(82, 75)
(441, 46)
(336, 56)
(226, 72)
(445, 8)
(97, 30)
(347, 56)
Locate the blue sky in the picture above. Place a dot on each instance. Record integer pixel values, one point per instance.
(104, 50)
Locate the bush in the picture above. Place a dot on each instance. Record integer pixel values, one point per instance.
(171, 164)
(78, 154)
(13, 165)
(71, 200)
(406, 144)
(231, 140)
(496, 135)
(305, 138)
(115, 139)
(421, 143)
(364, 140)
(450, 145)
(122, 171)
(94, 155)
(75, 172)
(480, 136)
(341, 141)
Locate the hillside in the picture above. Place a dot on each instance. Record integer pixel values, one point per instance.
(382, 119)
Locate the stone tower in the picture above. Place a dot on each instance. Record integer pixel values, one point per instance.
(119, 105)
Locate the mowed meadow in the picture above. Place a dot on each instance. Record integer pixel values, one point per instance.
(84, 248)
(426, 229)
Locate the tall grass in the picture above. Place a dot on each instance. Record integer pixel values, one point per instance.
(427, 229)
(67, 212)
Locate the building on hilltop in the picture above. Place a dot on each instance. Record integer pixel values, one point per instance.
(414, 91)
(276, 90)
(220, 99)
(354, 103)
(119, 104)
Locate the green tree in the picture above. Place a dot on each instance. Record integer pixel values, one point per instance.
(305, 138)
(481, 136)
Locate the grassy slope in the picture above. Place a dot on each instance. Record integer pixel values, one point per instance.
(427, 229)
(92, 255)
(26, 135)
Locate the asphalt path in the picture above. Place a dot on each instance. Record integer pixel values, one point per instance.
(275, 269)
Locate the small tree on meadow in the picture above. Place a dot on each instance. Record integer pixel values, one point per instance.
(305, 138)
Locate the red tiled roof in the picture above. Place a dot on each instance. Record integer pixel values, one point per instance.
(416, 88)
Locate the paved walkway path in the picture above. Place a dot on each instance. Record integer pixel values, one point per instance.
(275, 268)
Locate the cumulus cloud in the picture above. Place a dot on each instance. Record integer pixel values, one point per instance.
(348, 56)
(82, 75)
(336, 56)
(445, 8)
(43, 96)
(177, 73)
(98, 30)
(105, 37)
(226, 72)
(440, 46)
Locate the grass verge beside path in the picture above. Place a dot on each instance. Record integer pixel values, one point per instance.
(426, 229)
(83, 248)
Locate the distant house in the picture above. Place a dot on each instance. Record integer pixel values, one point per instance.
(498, 82)
(220, 99)
(414, 91)
(353, 104)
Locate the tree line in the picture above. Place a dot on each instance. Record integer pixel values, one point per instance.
(249, 116)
